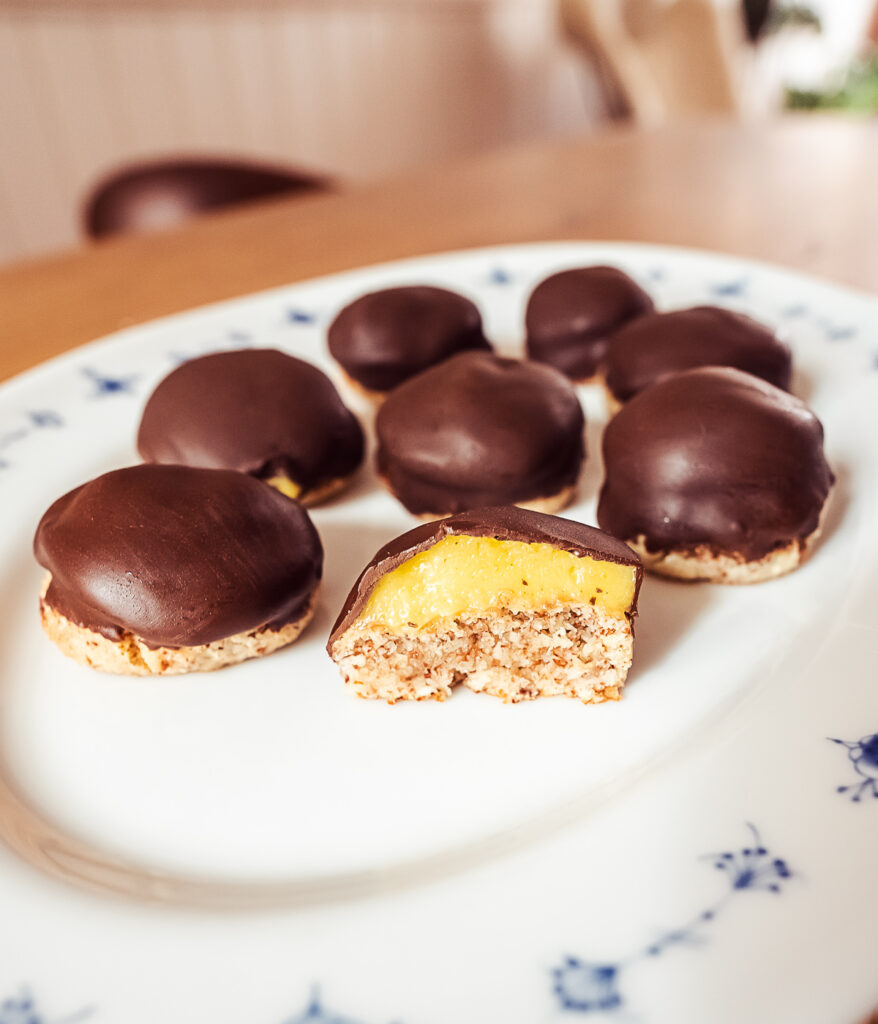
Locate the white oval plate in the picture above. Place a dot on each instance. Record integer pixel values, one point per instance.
(468, 861)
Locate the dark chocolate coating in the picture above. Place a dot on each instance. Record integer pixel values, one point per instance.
(480, 430)
(386, 337)
(570, 316)
(258, 411)
(505, 522)
(178, 556)
(714, 458)
(657, 344)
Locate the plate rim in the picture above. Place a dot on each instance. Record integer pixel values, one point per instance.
(60, 854)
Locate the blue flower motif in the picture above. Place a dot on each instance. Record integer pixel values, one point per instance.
(863, 754)
(656, 274)
(11, 436)
(316, 1013)
(22, 1009)
(795, 311)
(839, 332)
(586, 987)
(240, 337)
(500, 276)
(19, 1010)
(583, 986)
(300, 317)
(110, 385)
(753, 867)
(730, 289)
(45, 418)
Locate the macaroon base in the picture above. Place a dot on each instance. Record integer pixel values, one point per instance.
(325, 491)
(574, 650)
(131, 656)
(705, 565)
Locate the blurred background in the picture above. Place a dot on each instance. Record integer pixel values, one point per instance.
(131, 115)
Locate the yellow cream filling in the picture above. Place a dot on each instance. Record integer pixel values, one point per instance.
(285, 486)
(461, 574)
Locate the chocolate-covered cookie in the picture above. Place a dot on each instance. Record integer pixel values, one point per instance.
(715, 474)
(505, 601)
(657, 344)
(571, 314)
(258, 411)
(169, 569)
(386, 337)
(481, 430)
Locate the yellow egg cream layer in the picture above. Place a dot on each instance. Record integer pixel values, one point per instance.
(461, 574)
(285, 486)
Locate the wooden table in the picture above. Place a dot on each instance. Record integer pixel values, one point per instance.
(800, 192)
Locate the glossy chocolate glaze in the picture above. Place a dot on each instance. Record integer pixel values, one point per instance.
(383, 338)
(505, 522)
(717, 458)
(480, 430)
(258, 411)
(178, 556)
(657, 344)
(570, 316)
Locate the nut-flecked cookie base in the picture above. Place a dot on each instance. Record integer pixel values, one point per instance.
(709, 566)
(576, 651)
(131, 656)
(326, 491)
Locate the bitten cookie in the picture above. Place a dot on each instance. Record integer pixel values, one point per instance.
(258, 411)
(386, 337)
(658, 344)
(160, 570)
(713, 474)
(507, 602)
(570, 316)
(481, 430)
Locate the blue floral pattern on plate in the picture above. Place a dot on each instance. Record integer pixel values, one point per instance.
(301, 317)
(499, 276)
(863, 754)
(23, 1009)
(39, 419)
(730, 289)
(105, 384)
(838, 332)
(316, 1013)
(584, 986)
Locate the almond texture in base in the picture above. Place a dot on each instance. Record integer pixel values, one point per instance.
(131, 656)
(706, 565)
(575, 650)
